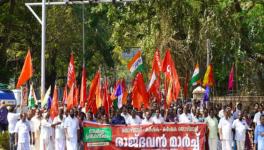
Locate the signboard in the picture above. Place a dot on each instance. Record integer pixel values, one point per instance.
(158, 136)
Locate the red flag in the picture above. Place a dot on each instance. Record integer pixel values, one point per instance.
(156, 65)
(65, 94)
(231, 79)
(27, 71)
(171, 76)
(139, 92)
(70, 98)
(124, 91)
(71, 72)
(185, 90)
(154, 83)
(106, 97)
(83, 88)
(92, 92)
(54, 110)
(98, 94)
(76, 96)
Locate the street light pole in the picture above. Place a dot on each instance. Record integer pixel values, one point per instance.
(43, 45)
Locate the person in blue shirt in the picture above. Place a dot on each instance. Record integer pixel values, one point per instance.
(259, 135)
(118, 119)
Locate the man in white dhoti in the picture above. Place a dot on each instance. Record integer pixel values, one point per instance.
(22, 132)
(36, 120)
(225, 130)
(59, 131)
(71, 127)
(46, 133)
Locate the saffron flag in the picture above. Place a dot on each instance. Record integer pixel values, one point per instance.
(195, 77)
(71, 72)
(231, 79)
(208, 77)
(139, 92)
(54, 110)
(27, 71)
(83, 88)
(98, 95)
(76, 96)
(70, 98)
(32, 97)
(106, 98)
(171, 77)
(136, 64)
(46, 98)
(65, 94)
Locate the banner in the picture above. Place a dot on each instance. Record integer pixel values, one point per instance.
(156, 136)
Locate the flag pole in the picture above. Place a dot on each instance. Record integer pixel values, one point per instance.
(43, 42)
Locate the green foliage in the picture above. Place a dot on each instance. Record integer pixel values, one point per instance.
(4, 141)
(235, 29)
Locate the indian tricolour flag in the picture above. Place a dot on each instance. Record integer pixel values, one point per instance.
(136, 63)
(195, 77)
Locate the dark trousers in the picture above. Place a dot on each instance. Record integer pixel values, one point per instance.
(12, 141)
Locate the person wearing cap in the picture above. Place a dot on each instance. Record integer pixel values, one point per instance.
(225, 129)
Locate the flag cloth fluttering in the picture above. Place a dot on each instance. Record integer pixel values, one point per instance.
(83, 88)
(186, 85)
(195, 77)
(106, 98)
(154, 84)
(208, 77)
(136, 63)
(206, 94)
(65, 94)
(27, 71)
(92, 96)
(172, 78)
(54, 110)
(119, 95)
(76, 97)
(31, 97)
(71, 72)
(231, 79)
(70, 98)
(46, 98)
(139, 92)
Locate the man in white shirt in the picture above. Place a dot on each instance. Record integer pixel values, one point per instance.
(36, 120)
(185, 117)
(256, 119)
(126, 115)
(23, 133)
(71, 127)
(147, 120)
(59, 131)
(46, 133)
(134, 119)
(238, 110)
(225, 130)
(212, 124)
(157, 118)
(240, 126)
(12, 119)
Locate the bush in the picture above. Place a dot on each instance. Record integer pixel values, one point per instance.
(4, 141)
